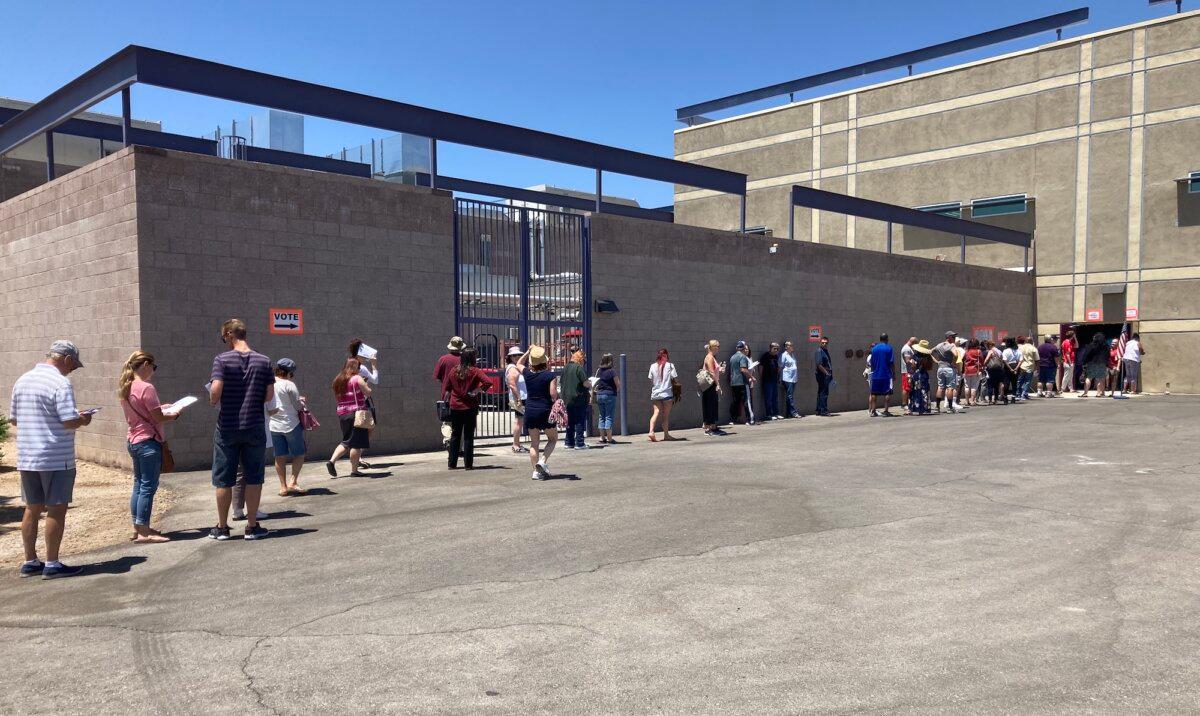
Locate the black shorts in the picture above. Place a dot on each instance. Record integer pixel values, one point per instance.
(352, 437)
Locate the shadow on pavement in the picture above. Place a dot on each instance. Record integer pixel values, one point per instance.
(286, 515)
(477, 468)
(120, 565)
(562, 476)
(384, 465)
(372, 475)
(317, 492)
(290, 532)
(186, 535)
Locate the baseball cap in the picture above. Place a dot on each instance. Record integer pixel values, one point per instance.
(950, 334)
(286, 364)
(740, 345)
(66, 348)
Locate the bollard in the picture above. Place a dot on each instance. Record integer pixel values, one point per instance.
(621, 397)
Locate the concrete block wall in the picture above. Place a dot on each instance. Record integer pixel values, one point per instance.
(218, 239)
(678, 286)
(69, 269)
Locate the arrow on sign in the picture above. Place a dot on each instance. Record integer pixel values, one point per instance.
(288, 321)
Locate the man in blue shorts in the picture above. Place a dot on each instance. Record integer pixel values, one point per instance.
(882, 367)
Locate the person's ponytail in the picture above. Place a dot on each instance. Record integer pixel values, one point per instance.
(136, 360)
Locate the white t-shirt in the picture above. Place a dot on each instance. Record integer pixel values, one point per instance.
(1133, 351)
(522, 392)
(660, 379)
(288, 417)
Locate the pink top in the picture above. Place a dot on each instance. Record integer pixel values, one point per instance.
(352, 398)
(139, 411)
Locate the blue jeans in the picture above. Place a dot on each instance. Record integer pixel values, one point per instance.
(1024, 380)
(822, 393)
(607, 404)
(231, 448)
(147, 465)
(789, 394)
(576, 424)
(770, 391)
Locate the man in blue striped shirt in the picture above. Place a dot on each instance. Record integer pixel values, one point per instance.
(43, 409)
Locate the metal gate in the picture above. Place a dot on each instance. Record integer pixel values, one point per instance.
(521, 279)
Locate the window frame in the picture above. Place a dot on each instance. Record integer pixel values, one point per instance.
(1193, 183)
(952, 209)
(999, 202)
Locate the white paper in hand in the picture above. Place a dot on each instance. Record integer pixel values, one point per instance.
(366, 351)
(179, 405)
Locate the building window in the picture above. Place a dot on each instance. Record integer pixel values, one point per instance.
(1194, 183)
(999, 206)
(952, 209)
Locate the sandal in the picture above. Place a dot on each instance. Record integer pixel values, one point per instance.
(284, 493)
(518, 449)
(296, 490)
(152, 539)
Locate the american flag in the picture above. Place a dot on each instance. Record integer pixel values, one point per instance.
(1123, 340)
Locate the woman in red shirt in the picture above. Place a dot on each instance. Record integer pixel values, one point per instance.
(1066, 383)
(462, 386)
(972, 371)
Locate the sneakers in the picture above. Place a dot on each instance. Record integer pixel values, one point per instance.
(258, 532)
(31, 569)
(536, 476)
(332, 470)
(238, 515)
(874, 414)
(542, 470)
(60, 571)
(219, 533)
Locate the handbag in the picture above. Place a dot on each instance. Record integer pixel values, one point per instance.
(558, 414)
(704, 379)
(364, 419)
(443, 407)
(168, 460)
(308, 421)
(676, 391)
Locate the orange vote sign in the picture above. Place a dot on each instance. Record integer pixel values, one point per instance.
(287, 321)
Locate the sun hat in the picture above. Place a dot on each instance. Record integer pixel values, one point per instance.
(515, 351)
(66, 349)
(537, 355)
(456, 344)
(923, 348)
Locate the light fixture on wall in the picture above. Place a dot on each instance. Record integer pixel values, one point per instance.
(774, 248)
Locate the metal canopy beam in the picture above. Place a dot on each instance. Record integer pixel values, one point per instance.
(868, 209)
(904, 59)
(470, 186)
(103, 80)
(136, 64)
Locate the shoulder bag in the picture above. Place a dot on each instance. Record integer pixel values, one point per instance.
(168, 460)
(362, 416)
(704, 379)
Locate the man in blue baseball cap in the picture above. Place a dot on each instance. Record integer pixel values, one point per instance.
(740, 378)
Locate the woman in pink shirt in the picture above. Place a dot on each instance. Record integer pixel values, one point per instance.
(144, 415)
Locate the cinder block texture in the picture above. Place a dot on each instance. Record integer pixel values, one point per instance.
(69, 269)
(679, 286)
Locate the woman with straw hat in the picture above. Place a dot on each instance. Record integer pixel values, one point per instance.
(918, 378)
(542, 392)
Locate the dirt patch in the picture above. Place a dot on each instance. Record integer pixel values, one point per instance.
(98, 517)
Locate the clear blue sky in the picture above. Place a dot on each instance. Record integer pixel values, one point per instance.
(603, 71)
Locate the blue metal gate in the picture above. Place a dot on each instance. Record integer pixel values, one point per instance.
(521, 279)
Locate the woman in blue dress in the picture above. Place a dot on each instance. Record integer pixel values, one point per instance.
(918, 395)
(541, 387)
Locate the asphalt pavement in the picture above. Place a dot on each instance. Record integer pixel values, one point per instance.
(1030, 558)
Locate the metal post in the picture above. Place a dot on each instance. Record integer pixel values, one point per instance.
(49, 156)
(743, 214)
(791, 221)
(125, 118)
(523, 279)
(457, 273)
(433, 169)
(889, 237)
(624, 392)
(599, 189)
(1026, 259)
(962, 248)
(586, 304)
(373, 154)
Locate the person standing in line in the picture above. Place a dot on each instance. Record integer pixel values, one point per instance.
(769, 374)
(43, 410)
(517, 394)
(351, 392)
(242, 384)
(739, 377)
(1114, 367)
(144, 439)
(1026, 366)
(463, 385)
(573, 385)
(1067, 349)
(287, 434)
(1049, 363)
(972, 372)
(823, 372)
(448, 362)
(662, 393)
(788, 374)
(710, 397)
(270, 410)
(1012, 359)
(368, 368)
(906, 360)
(947, 378)
(1094, 358)
(543, 392)
(882, 367)
(1133, 363)
(997, 372)
(919, 366)
(605, 388)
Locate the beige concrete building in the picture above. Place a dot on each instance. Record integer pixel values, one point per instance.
(1082, 142)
